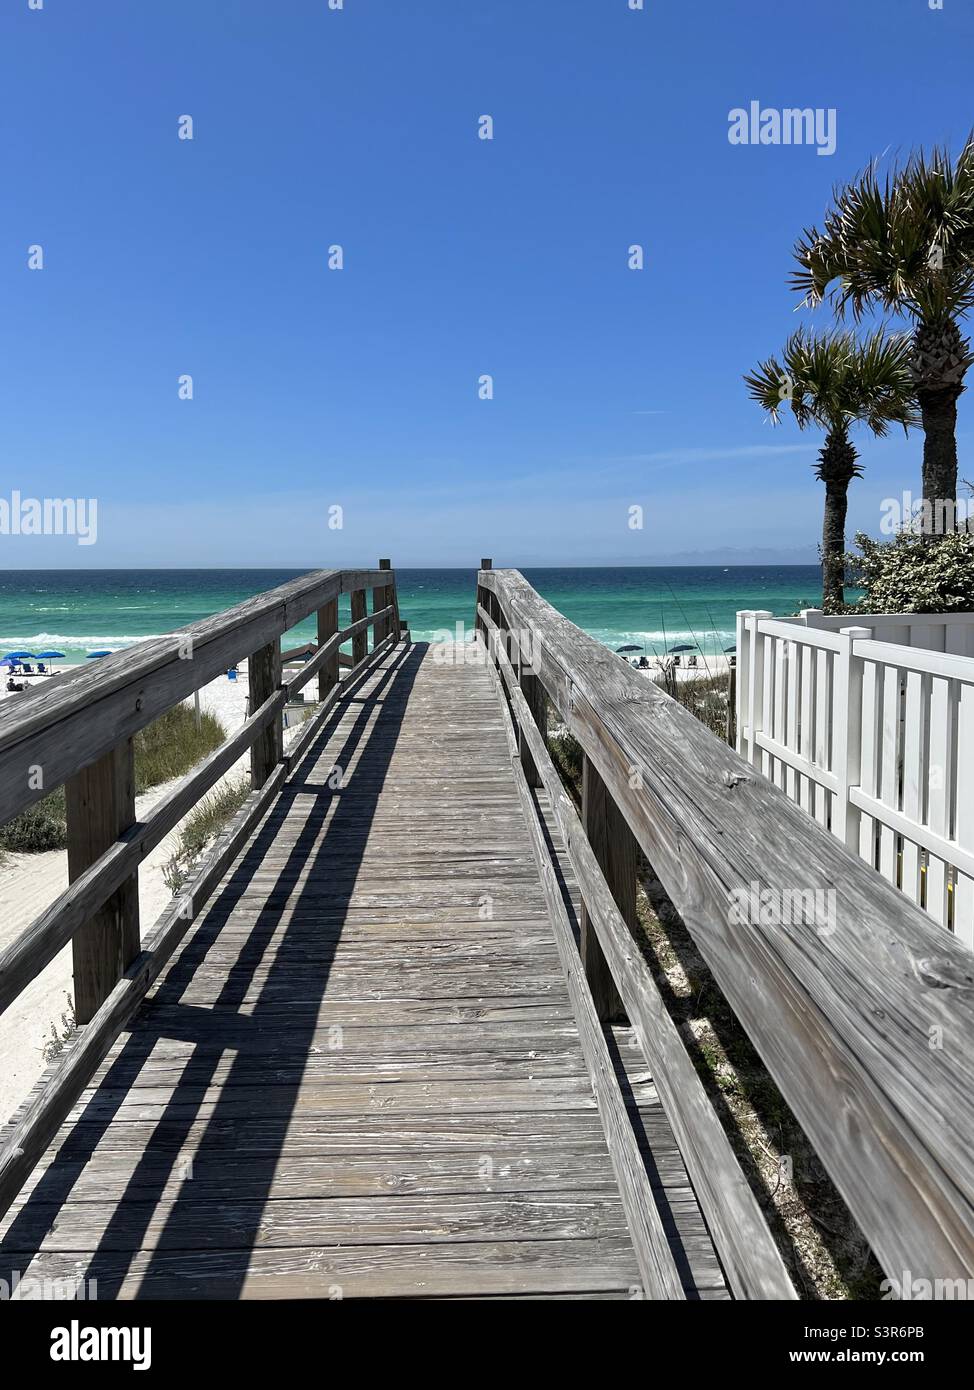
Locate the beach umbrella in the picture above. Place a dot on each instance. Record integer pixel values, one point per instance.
(20, 656)
(682, 648)
(92, 655)
(630, 647)
(731, 649)
(50, 656)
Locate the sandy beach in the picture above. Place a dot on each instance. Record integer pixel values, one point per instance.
(30, 882)
(707, 666)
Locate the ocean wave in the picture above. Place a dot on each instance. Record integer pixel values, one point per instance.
(60, 639)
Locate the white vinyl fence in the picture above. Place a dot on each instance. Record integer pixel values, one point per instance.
(870, 728)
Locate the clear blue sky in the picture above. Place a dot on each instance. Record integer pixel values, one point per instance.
(359, 388)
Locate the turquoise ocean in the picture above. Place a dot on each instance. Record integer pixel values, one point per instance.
(79, 611)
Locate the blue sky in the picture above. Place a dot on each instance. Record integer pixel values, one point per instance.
(358, 388)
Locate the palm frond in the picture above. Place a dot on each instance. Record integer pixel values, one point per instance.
(902, 243)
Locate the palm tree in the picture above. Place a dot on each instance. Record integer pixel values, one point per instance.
(835, 381)
(906, 245)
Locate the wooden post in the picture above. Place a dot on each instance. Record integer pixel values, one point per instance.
(381, 598)
(533, 692)
(615, 848)
(360, 642)
(327, 627)
(100, 805)
(483, 598)
(731, 728)
(264, 677)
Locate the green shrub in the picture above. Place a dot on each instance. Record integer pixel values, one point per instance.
(42, 826)
(566, 754)
(165, 749)
(914, 573)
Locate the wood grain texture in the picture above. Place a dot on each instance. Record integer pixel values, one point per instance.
(26, 956)
(657, 1268)
(100, 806)
(361, 1067)
(753, 1264)
(360, 639)
(65, 725)
(614, 847)
(846, 1019)
(264, 677)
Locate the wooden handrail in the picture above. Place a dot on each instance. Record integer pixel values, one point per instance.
(61, 922)
(865, 1021)
(67, 724)
(94, 883)
(657, 1267)
(26, 956)
(750, 1258)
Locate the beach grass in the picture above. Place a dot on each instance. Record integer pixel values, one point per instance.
(165, 749)
(201, 827)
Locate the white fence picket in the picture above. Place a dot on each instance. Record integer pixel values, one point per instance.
(964, 814)
(938, 793)
(872, 733)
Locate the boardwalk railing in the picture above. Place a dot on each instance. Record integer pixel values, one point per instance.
(78, 732)
(871, 730)
(860, 1007)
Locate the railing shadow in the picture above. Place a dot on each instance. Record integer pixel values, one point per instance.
(290, 983)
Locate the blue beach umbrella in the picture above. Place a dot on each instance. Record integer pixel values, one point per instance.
(50, 656)
(20, 656)
(92, 655)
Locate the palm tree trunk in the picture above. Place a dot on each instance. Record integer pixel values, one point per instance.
(836, 468)
(833, 546)
(939, 412)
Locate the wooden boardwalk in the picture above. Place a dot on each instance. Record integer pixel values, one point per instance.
(361, 1075)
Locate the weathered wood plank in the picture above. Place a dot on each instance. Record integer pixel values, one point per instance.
(842, 1017)
(754, 1265)
(360, 641)
(453, 1128)
(264, 676)
(657, 1270)
(476, 1268)
(100, 803)
(23, 960)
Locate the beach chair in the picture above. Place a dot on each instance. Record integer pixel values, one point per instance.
(691, 660)
(232, 674)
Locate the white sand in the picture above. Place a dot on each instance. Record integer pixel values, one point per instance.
(706, 666)
(30, 882)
